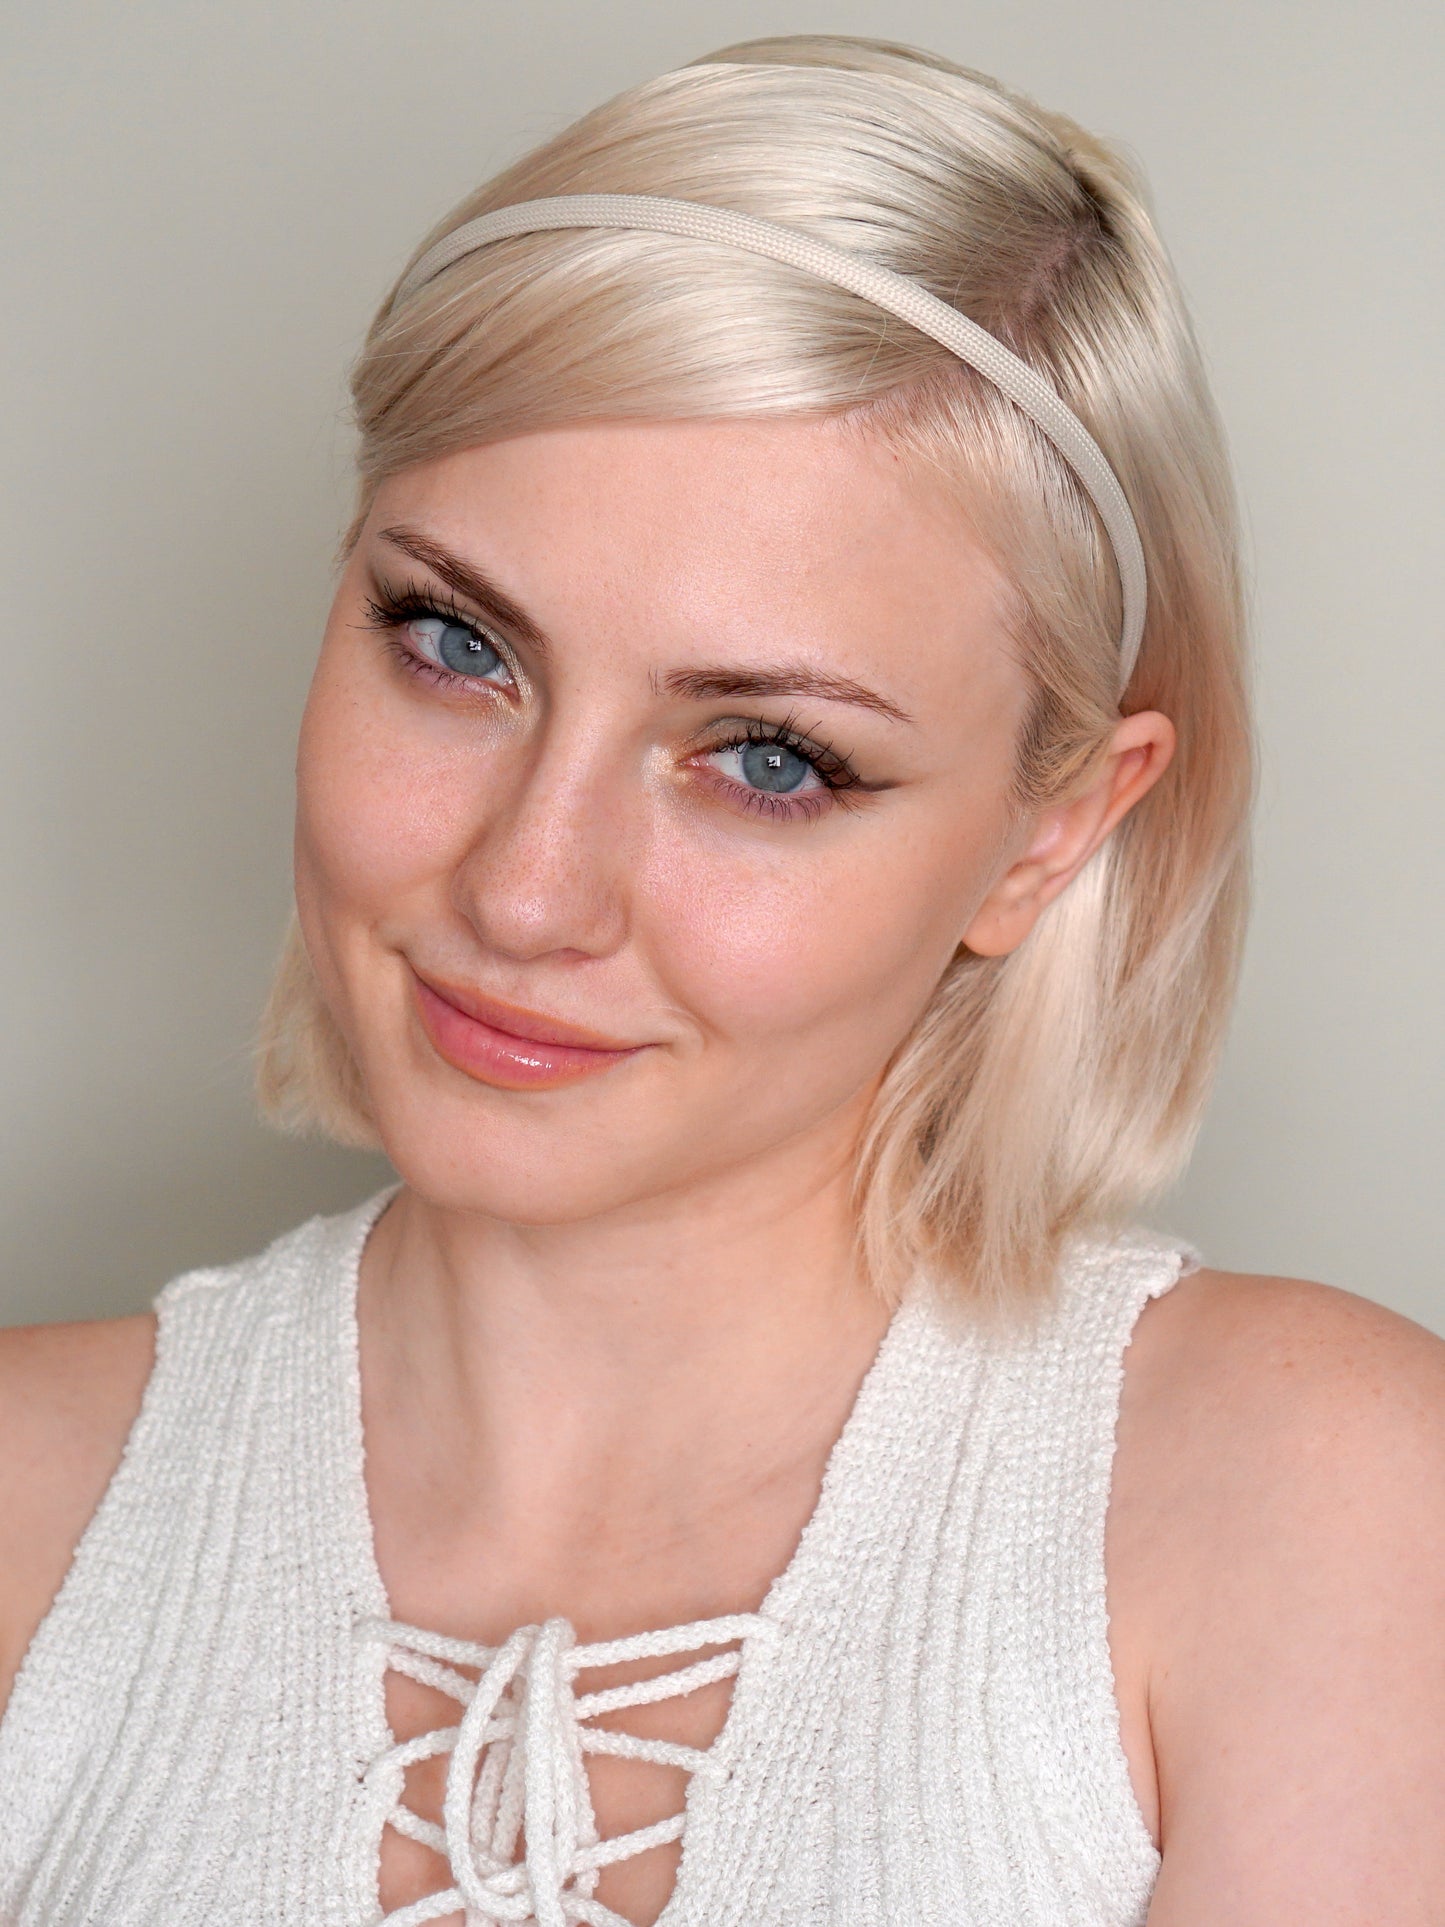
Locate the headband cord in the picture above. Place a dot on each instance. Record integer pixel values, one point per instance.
(897, 294)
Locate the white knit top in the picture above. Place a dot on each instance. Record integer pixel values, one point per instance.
(922, 1727)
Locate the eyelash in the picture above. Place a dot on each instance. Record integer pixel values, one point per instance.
(841, 782)
(391, 609)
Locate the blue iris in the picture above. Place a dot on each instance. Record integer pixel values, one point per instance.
(466, 652)
(457, 647)
(775, 767)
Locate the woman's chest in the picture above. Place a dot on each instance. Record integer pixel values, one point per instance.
(620, 1779)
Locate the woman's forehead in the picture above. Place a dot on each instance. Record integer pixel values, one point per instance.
(727, 536)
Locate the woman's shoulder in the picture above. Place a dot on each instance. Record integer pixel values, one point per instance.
(69, 1395)
(1277, 1577)
(1273, 1419)
(1275, 1406)
(1244, 1361)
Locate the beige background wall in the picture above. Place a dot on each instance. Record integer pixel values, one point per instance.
(199, 206)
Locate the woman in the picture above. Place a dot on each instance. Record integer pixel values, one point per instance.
(769, 872)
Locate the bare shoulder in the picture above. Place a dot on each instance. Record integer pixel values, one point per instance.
(1297, 1389)
(69, 1395)
(1257, 1359)
(1275, 1417)
(1278, 1561)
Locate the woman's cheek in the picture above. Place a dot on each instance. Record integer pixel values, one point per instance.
(379, 805)
(777, 951)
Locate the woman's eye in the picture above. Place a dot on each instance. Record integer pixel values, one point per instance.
(770, 767)
(457, 647)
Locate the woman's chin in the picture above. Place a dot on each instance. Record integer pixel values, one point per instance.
(518, 1176)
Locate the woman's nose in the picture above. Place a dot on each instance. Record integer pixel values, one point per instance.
(546, 867)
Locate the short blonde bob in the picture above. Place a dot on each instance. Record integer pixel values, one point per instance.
(1049, 1091)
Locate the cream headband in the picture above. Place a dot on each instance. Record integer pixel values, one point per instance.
(896, 293)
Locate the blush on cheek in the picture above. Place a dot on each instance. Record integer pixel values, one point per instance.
(378, 811)
(786, 958)
(380, 806)
(367, 831)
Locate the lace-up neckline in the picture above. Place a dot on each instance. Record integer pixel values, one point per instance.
(518, 1762)
(517, 1766)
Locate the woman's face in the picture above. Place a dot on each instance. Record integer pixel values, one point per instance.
(682, 748)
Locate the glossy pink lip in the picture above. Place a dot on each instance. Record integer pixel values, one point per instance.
(501, 1044)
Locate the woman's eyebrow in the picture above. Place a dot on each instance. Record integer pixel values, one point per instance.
(466, 579)
(697, 685)
(779, 679)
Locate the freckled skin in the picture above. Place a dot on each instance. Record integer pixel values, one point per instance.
(557, 849)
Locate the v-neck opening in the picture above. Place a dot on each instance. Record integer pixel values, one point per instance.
(372, 1730)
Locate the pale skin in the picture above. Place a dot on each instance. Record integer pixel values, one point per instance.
(611, 1329)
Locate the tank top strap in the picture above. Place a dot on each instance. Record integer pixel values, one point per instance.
(1030, 1537)
(226, 1523)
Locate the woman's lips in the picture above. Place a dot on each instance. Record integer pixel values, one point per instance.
(516, 1050)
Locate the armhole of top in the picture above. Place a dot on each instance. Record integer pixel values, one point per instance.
(101, 1524)
(1168, 1259)
(181, 1322)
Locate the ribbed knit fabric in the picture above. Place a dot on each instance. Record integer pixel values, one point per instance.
(923, 1730)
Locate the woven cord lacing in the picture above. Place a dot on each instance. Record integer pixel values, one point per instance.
(518, 1762)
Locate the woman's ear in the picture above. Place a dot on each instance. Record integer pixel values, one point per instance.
(1060, 841)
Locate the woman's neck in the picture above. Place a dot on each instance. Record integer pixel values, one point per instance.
(634, 1395)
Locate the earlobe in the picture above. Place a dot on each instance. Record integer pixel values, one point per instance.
(1010, 910)
(1060, 842)
(1063, 839)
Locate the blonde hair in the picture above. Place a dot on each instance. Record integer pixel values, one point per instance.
(1051, 1090)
